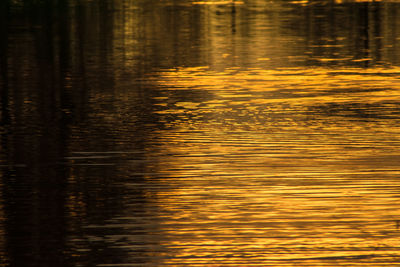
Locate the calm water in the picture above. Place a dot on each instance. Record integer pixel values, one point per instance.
(191, 133)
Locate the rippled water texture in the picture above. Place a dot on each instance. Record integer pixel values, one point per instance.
(203, 133)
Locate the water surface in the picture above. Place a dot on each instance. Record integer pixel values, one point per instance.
(199, 133)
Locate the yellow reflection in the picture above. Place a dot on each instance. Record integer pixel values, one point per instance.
(301, 86)
(280, 165)
(305, 2)
(217, 2)
(361, 1)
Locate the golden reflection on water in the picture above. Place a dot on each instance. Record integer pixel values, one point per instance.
(280, 167)
(289, 158)
(217, 2)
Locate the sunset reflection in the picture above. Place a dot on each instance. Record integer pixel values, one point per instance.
(199, 133)
(295, 160)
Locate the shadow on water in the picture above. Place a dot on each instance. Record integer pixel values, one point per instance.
(48, 49)
(198, 132)
(33, 134)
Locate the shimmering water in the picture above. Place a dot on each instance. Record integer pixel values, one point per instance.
(199, 133)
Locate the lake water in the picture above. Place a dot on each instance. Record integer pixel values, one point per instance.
(199, 133)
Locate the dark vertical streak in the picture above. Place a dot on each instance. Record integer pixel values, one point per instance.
(233, 18)
(376, 32)
(4, 101)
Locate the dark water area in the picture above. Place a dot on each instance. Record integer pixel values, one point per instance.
(199, 133)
